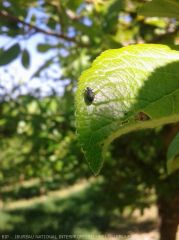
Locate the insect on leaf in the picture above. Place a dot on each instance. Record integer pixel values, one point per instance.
(134, 87)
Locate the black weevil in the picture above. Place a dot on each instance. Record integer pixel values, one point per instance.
(89, 95)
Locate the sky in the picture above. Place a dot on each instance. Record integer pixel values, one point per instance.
(15, 74)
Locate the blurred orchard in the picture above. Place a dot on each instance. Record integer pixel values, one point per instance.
(39, 151)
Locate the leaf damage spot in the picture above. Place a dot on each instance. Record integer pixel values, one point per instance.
(141, 116)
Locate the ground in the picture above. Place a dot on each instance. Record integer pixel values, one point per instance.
(73, 210)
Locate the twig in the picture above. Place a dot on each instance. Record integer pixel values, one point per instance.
(5, 14)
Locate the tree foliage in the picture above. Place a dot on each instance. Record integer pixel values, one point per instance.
(38, 135)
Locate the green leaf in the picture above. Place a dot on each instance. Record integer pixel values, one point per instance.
(25, 58)
(44, 47)
(173, 155)
(158, 8)
(73, 4)
(126, 89)
(112, 15)
(45, 65)
(7, 56)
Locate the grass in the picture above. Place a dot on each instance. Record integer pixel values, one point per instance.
(75, 210)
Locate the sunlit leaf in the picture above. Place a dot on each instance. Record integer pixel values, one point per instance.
(126, 89)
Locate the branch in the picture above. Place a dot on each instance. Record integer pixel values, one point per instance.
(5, 14)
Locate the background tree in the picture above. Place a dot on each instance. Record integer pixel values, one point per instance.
(38, 134)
